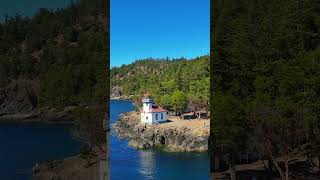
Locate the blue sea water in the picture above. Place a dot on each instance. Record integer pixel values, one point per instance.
(24, 144)
(129, 163)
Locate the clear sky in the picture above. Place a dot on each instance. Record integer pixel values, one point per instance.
(158, 28)
(28, 7)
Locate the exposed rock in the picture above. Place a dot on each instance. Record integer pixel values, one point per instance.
(43, 114)
(115, 91)
(72, 168)
(18, 97)
(19, 102)
(170, 139)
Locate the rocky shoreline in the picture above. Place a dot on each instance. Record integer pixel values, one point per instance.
(73, 168)
(173, 139)
(127, 98)
(116, 93)
(43, 114)
(19, 103)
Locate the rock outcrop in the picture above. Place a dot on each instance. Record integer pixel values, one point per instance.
(42, 114)
(18, 97)
(115, 92)
(73, 168)
(19, 102)
(177, 139)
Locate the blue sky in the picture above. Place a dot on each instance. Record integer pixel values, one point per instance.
(158, 28)
(28, 7)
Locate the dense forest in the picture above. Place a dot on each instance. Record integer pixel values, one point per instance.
(58, 59)
(266, 80)
(175, 84)
(60, 50)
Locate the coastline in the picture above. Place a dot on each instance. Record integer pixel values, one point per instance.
(126, 98)
(12, 119)
(42, 115)
(72, 168)
(167, 137)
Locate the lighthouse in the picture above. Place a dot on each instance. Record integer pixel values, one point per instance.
(151, 113)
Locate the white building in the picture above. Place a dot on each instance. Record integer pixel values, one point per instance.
(151, 113)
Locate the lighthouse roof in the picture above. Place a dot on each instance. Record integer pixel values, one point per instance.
(158, 109)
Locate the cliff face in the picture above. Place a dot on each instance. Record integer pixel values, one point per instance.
(19, 102)
(177, 139)
(19, 96)
(116, 92)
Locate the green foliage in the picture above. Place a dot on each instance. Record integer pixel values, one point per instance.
(171, 82)
(166, 101)
(179, 100)
(264, 72)
(61, 49)
(88, 126)
(229, 120)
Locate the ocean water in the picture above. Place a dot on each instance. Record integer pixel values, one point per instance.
(129, 163)
(22, 145)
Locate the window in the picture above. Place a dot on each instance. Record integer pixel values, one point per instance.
(161, 115)
(156, 116)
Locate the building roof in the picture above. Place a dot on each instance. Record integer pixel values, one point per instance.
(158, 109)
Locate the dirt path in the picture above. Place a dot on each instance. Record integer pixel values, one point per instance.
(197, 126)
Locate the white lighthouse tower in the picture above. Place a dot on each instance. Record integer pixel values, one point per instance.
(151, 113)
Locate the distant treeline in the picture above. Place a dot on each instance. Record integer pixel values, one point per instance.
(177, 84)
(266, 78)
(61, 50)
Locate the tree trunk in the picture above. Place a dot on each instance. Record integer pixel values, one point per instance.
(232, 168)
(287, 170)
(274, 160)
(233, 172)
(270, 170)
(286, 161)
(197, 114)
(287, 167)
(279, 169)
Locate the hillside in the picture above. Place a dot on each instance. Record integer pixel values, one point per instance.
(59, 51)
(265, 81)
(176, 84)
(53, 68)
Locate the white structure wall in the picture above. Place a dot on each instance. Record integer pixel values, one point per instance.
(146, 117)
(150, 114)
(147, 107)
(151, 117)
(159, 119)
